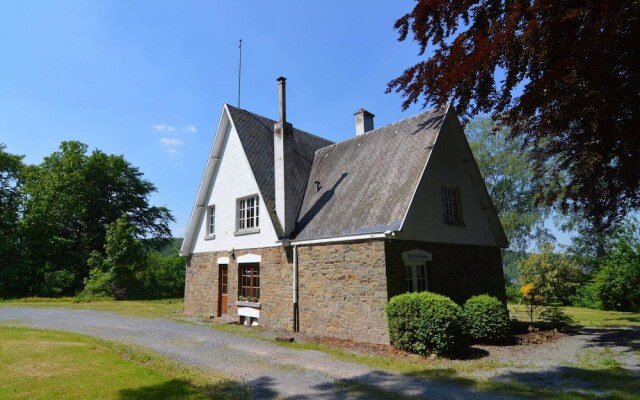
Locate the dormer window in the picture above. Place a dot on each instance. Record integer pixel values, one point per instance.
(211, 222)
(451, 206)
(248, 215)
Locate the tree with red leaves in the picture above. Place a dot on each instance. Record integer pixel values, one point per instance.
(563, 75)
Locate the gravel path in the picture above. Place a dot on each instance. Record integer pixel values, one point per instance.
(275, 372)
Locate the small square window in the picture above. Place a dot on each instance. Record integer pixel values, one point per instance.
(451, 206)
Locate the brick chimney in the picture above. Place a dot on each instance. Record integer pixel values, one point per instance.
(283, 165)
(364, 121)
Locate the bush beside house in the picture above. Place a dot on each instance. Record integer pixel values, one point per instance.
(425, 323)
(486, 319)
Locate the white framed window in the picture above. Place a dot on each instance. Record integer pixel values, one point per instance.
(211, 221)
(451, 205)
(248, 215)
(416, 264)
(416, 278)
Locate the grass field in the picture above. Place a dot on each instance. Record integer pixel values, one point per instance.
(170, 308)
(585, 316)
(39, 364)
(43, 365)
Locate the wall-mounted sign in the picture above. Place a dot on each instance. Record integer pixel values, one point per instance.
(416, 256)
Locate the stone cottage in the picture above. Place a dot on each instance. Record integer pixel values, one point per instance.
(292, 231)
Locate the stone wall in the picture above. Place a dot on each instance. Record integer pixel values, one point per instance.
(457, 271)
(343, 290)
(202, 285)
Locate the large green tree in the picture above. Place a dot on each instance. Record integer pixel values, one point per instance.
(71, 197)
(11, 179)
(564, 75)
(508, 173)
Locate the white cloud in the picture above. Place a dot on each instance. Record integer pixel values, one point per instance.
(190, 128)
(170, 144)
(164, 127)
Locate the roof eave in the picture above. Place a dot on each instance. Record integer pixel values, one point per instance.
(205, 182)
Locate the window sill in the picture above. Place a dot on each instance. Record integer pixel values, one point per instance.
(247, 304)
(209, 237)
(246, 231)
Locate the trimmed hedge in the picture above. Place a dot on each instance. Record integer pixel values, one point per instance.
(425, 323)
(486, 319)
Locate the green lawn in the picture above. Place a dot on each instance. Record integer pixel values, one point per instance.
(171, 308)
(39, 364)
(585, 316)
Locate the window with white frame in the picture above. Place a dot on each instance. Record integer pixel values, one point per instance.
(416, 278)
(211, 221)
(416, 264)
(451, 205)
(248, 213)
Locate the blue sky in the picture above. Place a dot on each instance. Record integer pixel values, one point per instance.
(147, 79)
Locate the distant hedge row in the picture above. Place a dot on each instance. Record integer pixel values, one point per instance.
(425, 322)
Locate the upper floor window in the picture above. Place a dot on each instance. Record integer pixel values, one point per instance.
(451, 205)
(211, 221)
(249, 214)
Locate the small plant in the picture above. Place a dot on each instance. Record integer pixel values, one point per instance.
(486, 318)
(530, 294)
(253, 299)
(242, 298)
(425, 323)
(554, 314)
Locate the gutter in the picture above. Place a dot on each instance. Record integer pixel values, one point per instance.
(341, 239)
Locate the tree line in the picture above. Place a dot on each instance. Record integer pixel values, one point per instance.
(599, 269)
(80, 217)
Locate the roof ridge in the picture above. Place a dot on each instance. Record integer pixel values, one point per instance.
(274, 121)
(443, 108)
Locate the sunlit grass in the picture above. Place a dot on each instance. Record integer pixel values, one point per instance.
(584, 316)
(170, 308)
(40, 364)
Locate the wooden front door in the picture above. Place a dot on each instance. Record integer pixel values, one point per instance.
(223, 287)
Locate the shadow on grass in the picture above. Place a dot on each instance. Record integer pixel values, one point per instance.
(556, 383)
(183, 389)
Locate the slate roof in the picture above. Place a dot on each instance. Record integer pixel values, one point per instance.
(256, 136)
(367, 182)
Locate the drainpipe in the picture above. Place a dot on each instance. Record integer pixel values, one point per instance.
(296, 324)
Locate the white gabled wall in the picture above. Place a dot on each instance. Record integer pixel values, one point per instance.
(446, 166)
(232, 179)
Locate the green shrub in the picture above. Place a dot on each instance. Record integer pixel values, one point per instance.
(587, 296)
(513, 292)
(98, 284)
(425, 323)
(555, 315)
(486, 318)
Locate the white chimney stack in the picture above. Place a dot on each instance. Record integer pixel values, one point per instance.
(283, 165)
(364, 121)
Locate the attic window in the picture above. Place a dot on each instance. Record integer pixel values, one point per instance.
(248, 215)
(211, 222)
(451, 205)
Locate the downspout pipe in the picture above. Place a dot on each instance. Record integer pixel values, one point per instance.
(296, 323)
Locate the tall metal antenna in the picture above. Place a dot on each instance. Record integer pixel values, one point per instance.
(239, 71)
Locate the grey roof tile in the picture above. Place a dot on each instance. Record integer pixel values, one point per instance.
(367, 182)
(256, 136)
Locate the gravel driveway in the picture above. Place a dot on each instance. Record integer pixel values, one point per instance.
(273, 371)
